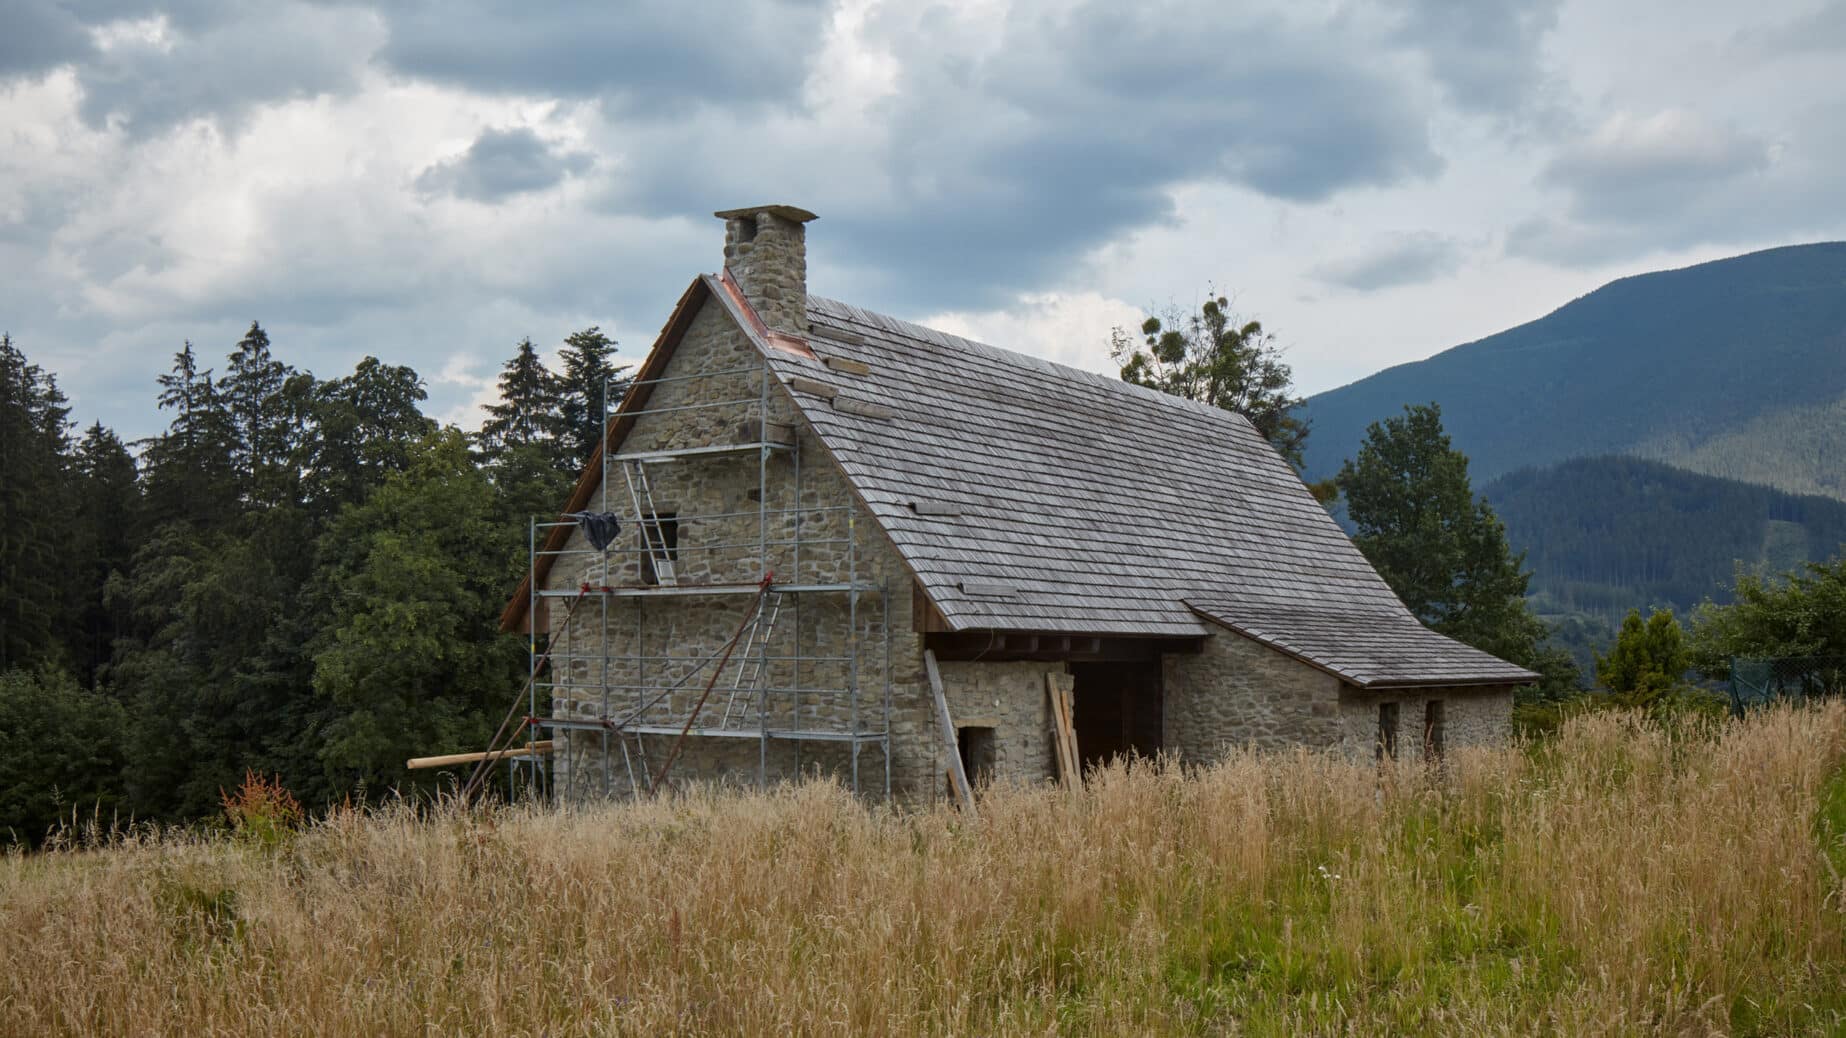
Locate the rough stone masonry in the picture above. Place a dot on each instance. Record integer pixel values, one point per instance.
(843, 662)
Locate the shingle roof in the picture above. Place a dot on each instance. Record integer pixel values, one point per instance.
(1026, 495)
(1371, 650)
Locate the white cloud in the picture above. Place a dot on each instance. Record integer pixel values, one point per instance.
(1029, 173)
(1070, 328)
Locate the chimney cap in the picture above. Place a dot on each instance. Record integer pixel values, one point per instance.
(786, 212)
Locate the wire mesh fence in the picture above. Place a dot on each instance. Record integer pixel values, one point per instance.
(1756, 681)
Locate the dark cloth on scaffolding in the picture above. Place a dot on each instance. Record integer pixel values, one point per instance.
(599, 527)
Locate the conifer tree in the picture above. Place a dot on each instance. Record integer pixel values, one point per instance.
(190, 467)
(106, 528)
(34, 508)
(252, 391)
(1439, 547)
(528, 412)
(1648, 660)
(588, 380)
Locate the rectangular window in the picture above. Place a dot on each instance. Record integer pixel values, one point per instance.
(660, 544)
(1387, 730)
(1432, 730)
(976, 745)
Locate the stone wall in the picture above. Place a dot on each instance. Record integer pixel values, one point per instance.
(622, 656)
(1010, 699)
(1471, 716)
(1237, 692)
(641, 657)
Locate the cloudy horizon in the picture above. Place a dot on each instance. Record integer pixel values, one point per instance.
(430, 184)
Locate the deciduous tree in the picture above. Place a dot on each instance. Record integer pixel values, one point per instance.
(1217, 358)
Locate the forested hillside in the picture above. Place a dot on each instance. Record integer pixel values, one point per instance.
(1603, 535)
(300, 575)
(1735, 367)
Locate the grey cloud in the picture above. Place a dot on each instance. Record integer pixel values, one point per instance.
(1817, 32)
(1487, 54)
(39, 35)
(214, 59)
(651, 57)
(1687, 184)
(1633, 167)
(1404, 259)
(261, 54)
(999, 162)
(501, 164)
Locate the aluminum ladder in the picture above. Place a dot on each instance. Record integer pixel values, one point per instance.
(647, 520)
(752, 667)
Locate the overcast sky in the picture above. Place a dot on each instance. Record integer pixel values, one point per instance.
(429, 182)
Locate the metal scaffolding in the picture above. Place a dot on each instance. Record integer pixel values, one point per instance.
(634, 679)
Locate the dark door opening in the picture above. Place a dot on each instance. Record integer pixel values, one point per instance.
(976, 745)
(1116, 710)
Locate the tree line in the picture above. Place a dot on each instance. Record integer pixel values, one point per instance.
(299, 576)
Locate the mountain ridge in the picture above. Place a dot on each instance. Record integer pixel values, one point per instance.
(1664, 364)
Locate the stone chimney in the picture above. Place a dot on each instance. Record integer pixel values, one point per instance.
(766, 252)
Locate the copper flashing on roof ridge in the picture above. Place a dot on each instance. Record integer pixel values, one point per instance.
(783, 341)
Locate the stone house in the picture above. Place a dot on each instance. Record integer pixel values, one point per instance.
(813, 497)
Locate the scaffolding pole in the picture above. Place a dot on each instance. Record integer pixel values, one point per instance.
(609, 670)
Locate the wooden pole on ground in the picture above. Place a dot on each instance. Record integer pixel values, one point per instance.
(532, 749)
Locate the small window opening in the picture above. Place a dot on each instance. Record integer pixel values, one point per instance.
(1432, 730)
(660, 543)
(1387, 730)
(976, 746)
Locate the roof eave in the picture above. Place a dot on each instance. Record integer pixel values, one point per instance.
(1357, 681)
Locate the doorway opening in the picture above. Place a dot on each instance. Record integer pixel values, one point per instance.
(1116, 710)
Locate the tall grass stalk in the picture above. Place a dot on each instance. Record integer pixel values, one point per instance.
(1619, 878)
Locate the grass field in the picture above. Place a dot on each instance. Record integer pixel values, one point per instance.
(1615, 879)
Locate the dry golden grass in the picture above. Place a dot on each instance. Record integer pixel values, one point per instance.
(1613, 880)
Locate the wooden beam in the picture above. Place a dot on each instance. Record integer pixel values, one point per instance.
(1043, 646)
(958, 778)
(531, 749)
(1063, 731)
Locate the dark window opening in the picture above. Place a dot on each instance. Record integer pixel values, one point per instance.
(1432, 730)
(976, 746)
(660, 541)
(1387, 730)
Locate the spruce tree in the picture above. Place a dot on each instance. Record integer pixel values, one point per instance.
(190, 468)
(35, 508)
(588, 380)
(528, 412)
(252, 391)
(106, 530)
(1439, 547)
